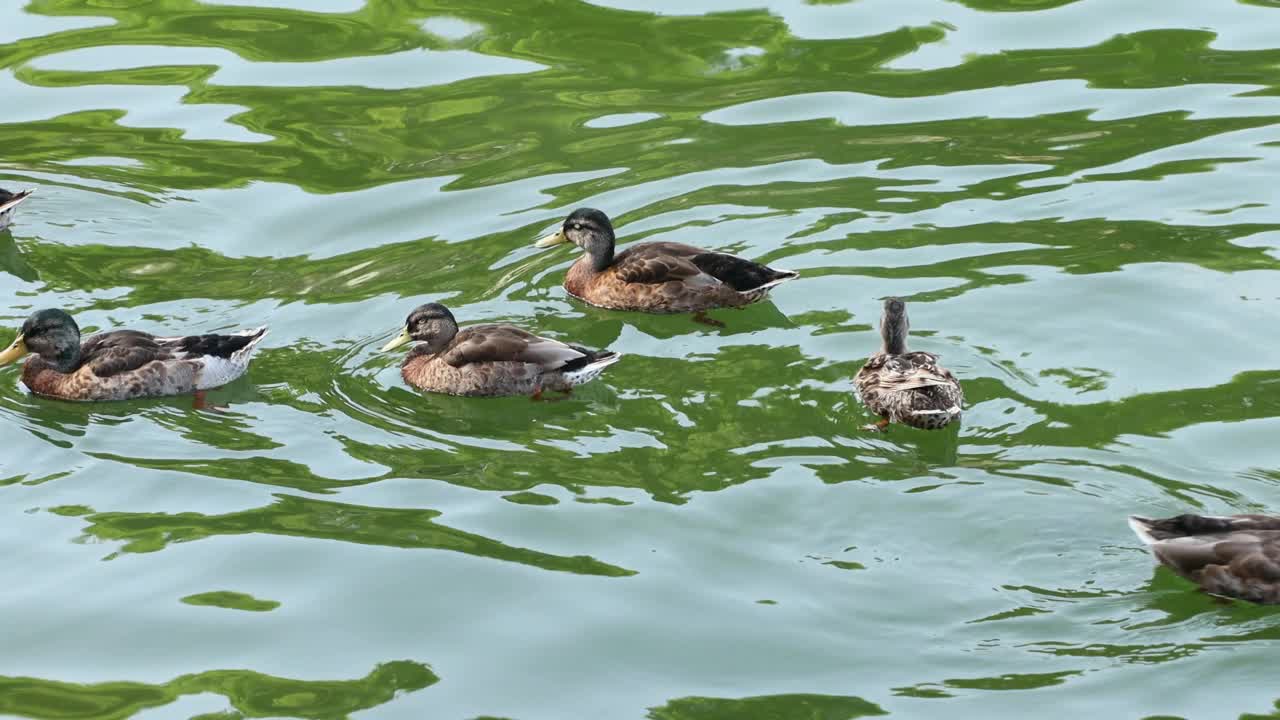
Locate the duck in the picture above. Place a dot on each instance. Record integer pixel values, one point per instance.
(490, 360)
(905, 387)
(9, 202)
(1233, 556)
(124, 364)
(657, 277)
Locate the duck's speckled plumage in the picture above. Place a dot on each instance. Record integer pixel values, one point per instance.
(126, 364)
(658, 277)
(9, 202)
(910, 388)
(1236, 556)
(491, 360)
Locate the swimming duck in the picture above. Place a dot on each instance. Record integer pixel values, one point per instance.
(1236, 556)
(124, 364)
(906, 387)
(9, 201)
(490, 359)
(657, 277)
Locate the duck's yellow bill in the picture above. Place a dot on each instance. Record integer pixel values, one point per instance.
(401, 339)
(16, 351)
(552, 240)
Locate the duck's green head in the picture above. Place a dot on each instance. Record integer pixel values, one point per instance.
(894, 326)
(590, 230)
(51, 334)
(431, 323)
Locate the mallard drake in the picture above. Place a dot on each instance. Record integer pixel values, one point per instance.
(490, 359)
(907, 387)
(124, 364)
(9, 201)
(657, 277)
(1236, 556)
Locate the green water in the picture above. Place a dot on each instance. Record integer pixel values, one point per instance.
(1078, 199)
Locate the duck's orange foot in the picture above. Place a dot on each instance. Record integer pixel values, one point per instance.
(199, 401)
(877, 426)
(537, 395)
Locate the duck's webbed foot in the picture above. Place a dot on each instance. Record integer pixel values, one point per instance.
(537, 395)
(702, 317)
(199, 401)
(878, 426)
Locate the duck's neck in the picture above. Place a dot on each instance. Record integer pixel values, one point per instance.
(601, 257)
(599, 249)
(895, 340)
(66, 361)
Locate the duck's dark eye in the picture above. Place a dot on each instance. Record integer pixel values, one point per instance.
(577, 226)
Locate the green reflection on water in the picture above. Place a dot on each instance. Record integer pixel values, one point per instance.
(767, 707)
(231, 601)
(251, 694)
(304, 517)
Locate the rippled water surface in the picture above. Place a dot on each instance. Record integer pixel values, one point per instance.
(1078, 199)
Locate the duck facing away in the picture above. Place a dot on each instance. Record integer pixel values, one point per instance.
(124, 364)
(907, 387)
(1236, 556)
(9, 202)
(488, 360)
(657, 277)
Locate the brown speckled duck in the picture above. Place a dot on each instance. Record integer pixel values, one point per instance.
(9, 201)
(657, 277)
(124, 364)
(1237, 556)
(907, 387)
(490, 359)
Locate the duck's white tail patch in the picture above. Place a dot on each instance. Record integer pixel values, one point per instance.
(216, 371)
(1142, 528)
(953, 410)
(790, 275)
(591, 371)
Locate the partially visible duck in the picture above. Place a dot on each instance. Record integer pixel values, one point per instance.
(1236, 556)
(657, 277)
(490, 359)
(9, 202)
(124, 364)
(907, 387)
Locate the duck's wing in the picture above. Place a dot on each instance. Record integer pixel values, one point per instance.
(507, 343)
(122, 351)
(911, 370)
(658, 262)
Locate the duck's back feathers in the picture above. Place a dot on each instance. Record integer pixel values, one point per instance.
(507, 343)
(503, 360)
(1235, 556)
(673, 277)
(656, 262)
(911, 388)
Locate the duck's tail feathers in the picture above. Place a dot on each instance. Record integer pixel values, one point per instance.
(255, 336)
(15, 199)
(218, 370)
(588, 368)
(782, 276)
(1141, 527)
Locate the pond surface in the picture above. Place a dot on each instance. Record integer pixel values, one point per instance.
(1077, 199)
